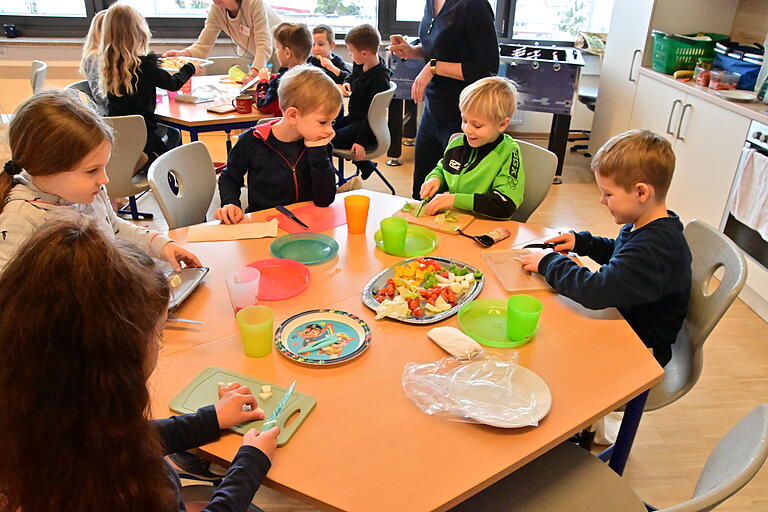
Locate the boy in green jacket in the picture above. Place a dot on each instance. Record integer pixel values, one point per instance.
(481, 171)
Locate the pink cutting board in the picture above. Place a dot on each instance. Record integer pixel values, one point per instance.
(318, 219)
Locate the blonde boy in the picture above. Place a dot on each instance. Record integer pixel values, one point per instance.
(293, 43)
(646, 271)
(288, 160)
(481, 171)
(323, 44)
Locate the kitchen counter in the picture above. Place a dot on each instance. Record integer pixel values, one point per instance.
(757, 111)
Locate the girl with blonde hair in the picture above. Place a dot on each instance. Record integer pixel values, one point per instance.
(89, 63)
(129, 74)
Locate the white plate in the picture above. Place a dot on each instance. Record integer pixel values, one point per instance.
(202, 62)
(492, 392)
(737, 95)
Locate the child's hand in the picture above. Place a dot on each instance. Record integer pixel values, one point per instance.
(175, 255)
(264, 441)
(439, 202)
(199, 70)
(429, 188)
(327, 64)
(420, 84)
(319, 142)
(358, 151)
(229, 408)
(565, 242)
(531, 260)
(346, 89)
(229, 214)
(264, 74)
(177, 53)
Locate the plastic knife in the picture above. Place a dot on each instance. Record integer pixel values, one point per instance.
(272, 420)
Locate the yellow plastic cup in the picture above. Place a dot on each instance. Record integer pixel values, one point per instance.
(356, 207)
(523, 313)
(393, 232)
(256, 325)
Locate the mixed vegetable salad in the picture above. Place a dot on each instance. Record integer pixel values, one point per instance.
(423, 287)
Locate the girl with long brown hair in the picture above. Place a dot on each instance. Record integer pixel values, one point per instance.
(130, 73)
(59, 150)
(79, 336)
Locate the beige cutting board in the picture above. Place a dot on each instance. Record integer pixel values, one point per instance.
(465, 220)
(510, 274)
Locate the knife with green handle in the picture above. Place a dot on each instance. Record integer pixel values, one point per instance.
(272, 420)
(421, 206)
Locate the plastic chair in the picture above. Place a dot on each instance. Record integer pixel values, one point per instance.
(710, 250)
(83, 90)
(127, 156)
(540, 165)
(39, 69)
(568, 478)
(191, 168)
(221, 65)
(377, 119)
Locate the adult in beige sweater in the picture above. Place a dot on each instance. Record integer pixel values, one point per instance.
(248, 23)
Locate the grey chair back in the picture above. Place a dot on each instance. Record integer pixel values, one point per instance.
(377, 120)
(130, 134)
(736, 459)
(39, 69)
(81, 86)
(710, 251)
(221, 65)
(540, 165)
(192, 170)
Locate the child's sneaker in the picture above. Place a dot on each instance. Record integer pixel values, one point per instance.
(196, 467)
(351, 184)
(366, 168)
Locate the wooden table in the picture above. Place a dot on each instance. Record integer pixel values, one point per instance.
(195, 118)
(366, 446)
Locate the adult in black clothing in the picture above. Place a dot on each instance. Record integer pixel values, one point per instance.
(458, 46)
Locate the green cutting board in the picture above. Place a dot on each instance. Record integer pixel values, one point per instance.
(204, 390)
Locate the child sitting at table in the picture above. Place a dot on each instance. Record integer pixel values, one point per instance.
(90, 63)
(646, 271)
(293, 43)
(369, 77)
(482, 171)
(59, 150)
(288, 160)
(324, 57)
(130, 74)
(76, 425)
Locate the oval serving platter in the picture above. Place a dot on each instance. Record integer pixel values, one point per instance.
(380, 280)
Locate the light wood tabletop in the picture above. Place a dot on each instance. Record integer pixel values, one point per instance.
(196, 114)
(366, 447)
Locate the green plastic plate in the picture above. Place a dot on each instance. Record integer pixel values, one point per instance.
(418, 241)
(204, 389)
(485, 321)
(307, 248)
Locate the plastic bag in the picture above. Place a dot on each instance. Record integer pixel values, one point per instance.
(477, 390)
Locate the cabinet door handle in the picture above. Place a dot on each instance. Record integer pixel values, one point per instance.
(632, 65)
(682, 116)
(671, 113)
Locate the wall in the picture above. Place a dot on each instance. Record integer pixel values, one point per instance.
(751, 22)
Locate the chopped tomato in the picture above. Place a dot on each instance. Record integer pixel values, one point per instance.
(424, 293)
(380, 298)
(414, 303)
(443, 274)
(417, 312)
(391, 290)
(431, 300)
(391, 281)
(451, 297)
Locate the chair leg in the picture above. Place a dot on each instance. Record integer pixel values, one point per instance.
(341, 180)
(385, 180)
(133, 210)
(627, 431)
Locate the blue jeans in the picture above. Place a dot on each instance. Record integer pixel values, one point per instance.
(431, 141)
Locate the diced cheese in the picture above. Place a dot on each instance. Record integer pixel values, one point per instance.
(220, 384)
(266, 389)
(174, 280)
(456, 287)
(441, 304)
(433, 309)
(265, 396)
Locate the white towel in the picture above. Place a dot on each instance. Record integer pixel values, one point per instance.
(455, 342)
(749, 203)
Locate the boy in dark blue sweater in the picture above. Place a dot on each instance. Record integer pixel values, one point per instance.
(323, 56)
(646, 271)
(289, 160)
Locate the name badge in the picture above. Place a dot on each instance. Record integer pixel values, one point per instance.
(244, 30)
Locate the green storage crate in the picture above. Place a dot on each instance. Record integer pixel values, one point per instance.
(671, 53)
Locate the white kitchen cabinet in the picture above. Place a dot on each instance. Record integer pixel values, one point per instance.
(630, 45)
(707, 141)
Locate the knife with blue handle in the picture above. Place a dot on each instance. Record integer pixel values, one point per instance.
(272, 420)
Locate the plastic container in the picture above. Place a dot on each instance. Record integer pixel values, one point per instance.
(671, 53)
(721, 80)
(702, 72)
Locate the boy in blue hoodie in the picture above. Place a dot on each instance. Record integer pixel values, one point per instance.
(289, 160)
(646, 271)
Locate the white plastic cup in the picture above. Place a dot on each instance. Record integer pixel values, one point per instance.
(243, 287)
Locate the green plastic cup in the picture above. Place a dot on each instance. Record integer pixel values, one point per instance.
(256, 328)
(523, 313)
(393, 231)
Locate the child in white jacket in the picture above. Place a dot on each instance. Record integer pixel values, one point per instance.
(59, 151)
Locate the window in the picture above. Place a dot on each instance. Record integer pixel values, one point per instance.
(44, 7)
(340, 15)
(559, 20)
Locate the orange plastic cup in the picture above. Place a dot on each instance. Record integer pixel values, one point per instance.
(356, 207)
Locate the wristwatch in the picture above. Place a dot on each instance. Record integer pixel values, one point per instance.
(433, 66)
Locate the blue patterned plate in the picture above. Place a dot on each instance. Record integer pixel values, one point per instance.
(316, 325)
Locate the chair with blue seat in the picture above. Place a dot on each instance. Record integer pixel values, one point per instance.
(377, 119)
(568, 478)
(186, 198)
